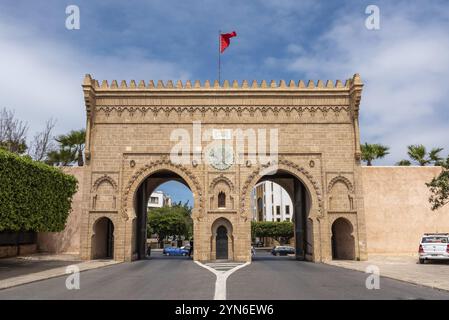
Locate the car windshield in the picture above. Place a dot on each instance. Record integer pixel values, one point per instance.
(434, 239)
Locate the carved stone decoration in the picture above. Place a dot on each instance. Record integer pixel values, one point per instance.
(223, 178)
(103, 178)
(341, 194)
(228, 110)
(153, 166)
(104, 192)
(342, 179)
(311, 163)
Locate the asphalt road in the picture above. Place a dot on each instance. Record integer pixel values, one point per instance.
(160, 278)
(284, 278)
(267, 278)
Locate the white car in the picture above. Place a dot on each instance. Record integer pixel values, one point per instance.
(434, 246)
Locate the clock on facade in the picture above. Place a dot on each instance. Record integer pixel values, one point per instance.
(221, 156)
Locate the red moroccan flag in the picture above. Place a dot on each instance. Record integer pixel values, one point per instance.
(225, 40)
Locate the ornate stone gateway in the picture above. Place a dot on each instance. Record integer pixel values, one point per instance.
(213, 138)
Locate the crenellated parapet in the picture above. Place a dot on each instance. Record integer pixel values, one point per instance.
(197, 85)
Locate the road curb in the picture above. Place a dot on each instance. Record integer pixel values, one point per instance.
(53, 273)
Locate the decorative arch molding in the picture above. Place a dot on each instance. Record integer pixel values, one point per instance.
(291, 167)
(342, 179)
(154, 166)
(98, 218)
(221, 177)
(102, 179)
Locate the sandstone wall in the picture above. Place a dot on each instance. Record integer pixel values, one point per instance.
(397, 210)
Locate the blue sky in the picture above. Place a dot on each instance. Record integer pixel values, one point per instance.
(404, 65)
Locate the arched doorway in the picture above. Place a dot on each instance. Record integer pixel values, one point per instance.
(222, 240)
(222, 243)
(298, 213)
(103, 239)
(343, 244)
(143, 200)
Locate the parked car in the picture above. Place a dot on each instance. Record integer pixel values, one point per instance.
(282, 250)
(434, 246)
(174, 251)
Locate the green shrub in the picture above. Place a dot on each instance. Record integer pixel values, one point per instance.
(33, 195)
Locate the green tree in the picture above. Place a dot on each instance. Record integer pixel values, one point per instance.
(371, 152)
(418, 153)
(404, 163)
(439, 187)
(168, 221)
(63, 157)
(74, 141)
(272, 229)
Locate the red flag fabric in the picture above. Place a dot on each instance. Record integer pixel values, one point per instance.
(225, 40)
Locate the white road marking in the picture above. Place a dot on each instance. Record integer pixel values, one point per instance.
(222, 272)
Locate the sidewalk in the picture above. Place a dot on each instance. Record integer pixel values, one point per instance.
(21, 270)
(404, 268)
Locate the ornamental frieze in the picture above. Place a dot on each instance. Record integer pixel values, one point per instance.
(314, 110)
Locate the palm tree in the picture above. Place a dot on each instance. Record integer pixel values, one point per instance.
(74, 141)
(404, 163)
(435, 157)
(371, 152)
(63, 157)
(418, 153)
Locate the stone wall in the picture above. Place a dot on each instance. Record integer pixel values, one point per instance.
(397, 210)
(67, 241)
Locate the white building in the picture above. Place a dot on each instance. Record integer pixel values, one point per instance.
(270, 202)
(159, 199)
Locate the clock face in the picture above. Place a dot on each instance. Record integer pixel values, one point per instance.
(221, 157)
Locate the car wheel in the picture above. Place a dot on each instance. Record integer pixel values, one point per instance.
(422, 261)
(277, 254)
(184, 254)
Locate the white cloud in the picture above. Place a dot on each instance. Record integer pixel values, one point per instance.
(41, 78)
(404, 67)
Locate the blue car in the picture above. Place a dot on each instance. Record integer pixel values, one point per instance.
(173, 251)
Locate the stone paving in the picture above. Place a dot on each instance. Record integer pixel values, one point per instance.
(404, 268)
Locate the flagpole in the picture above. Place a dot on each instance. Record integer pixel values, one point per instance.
(219, 58)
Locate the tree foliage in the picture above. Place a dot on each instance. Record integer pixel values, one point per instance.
(439, 187)
(33, 195)
(371, 152)
(172, 221)
(418, 153)
(404, 163)
(272, 229)
(71, 147)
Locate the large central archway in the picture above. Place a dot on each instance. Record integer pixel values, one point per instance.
(300, 197)
(306, 199)
(147, 186)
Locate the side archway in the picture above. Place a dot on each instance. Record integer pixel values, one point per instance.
(343, 242)
(103, 239)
